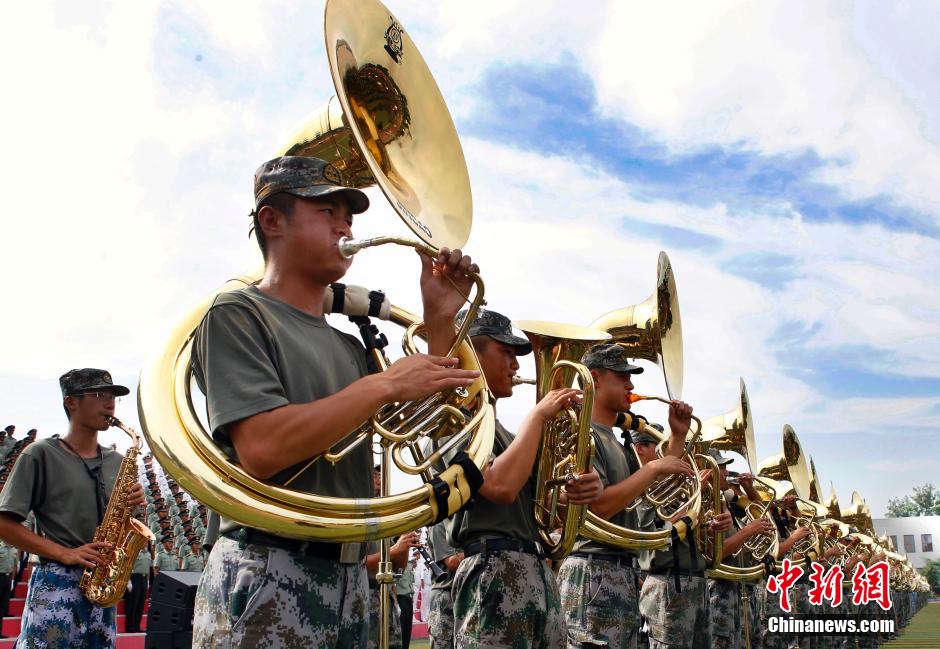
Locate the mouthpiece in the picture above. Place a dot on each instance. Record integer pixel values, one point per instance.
(634, 397)
(518, 380)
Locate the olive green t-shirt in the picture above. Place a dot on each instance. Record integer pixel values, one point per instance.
(142, 563)
(55, 484)
(254, 353)
(610, 462)
(487, 519)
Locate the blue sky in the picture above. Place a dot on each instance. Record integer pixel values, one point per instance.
(785, 161)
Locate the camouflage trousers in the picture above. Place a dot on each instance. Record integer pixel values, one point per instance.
(757, 604)
(255, 596)
(506, 599)
(58, 616)
(799, 605)
(601, 603)
(677, 619)
(394, 615)
(441, 617)
(724, 613)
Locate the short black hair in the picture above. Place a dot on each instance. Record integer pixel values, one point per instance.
(283, 203)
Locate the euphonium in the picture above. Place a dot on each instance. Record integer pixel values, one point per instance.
(711, 542)
(105, 584)
(387, 125)
(733, 431)
(671, 493)
(650, 330)
(567, 447)
(681, 497)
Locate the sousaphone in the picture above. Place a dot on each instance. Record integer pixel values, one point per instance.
(388, 125)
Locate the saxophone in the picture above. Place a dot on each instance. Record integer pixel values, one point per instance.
(104, 584)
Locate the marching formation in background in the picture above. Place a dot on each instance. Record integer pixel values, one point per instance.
(589, 526)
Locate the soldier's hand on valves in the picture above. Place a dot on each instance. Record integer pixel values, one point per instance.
(680, 417)
(87, 556)
(402, 547)
(553, 402)
(135, 495)
(671, 464)
(800, 533)
(420, 375)
(721, 522)
(439, 277)
(586, 489)
(759, 526)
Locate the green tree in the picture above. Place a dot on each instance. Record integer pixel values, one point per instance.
(931, 572)
(924, 501)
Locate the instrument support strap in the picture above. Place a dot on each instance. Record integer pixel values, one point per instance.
(339, 297)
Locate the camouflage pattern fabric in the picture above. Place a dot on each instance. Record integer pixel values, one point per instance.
(801, 606)
(772, 609)
(756, 605)
(724, 614)
(506, 599)
(600, 603)
(441, 617)
(394, 638)
(255, 596)
(676, 619)
(57, 615)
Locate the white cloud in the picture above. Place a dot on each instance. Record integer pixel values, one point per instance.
(774, 77)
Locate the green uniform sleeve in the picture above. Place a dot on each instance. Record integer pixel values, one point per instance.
(235, 367)
(24, 487)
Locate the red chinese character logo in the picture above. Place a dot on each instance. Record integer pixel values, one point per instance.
(871, 585)
(782, 583)
(826, 585)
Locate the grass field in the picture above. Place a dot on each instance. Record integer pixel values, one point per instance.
(923, 631)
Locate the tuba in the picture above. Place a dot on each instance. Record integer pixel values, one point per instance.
(567, 448)
(388, 125)
(792, 466)
(650, 330)
(734, 432)
(105, 584)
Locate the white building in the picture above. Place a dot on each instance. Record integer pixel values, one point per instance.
(916, 536)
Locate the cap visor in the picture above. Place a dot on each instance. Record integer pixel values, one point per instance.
(521, 344)
(626, 368)
(118, 390)
(358, 201)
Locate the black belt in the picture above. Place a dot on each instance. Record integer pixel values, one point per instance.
(619, 559)
(682, 572)
(490, 545)
(249, 536)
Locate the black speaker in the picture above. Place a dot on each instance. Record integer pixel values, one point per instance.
(163, 617)
(174, 588)
(170, 616)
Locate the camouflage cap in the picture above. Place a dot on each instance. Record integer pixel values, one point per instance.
(638, 437)
(306, 177)
(89, 379)
(718, 457)
(496, 326)
(609, 356)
